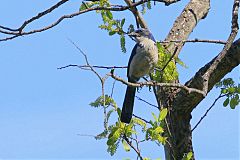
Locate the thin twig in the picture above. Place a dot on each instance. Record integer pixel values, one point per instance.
(19, 32)
(136, 139)
(102, 80)
(140, 99)
(141, 118)
(196, 40)
(170, 59)
(205, 114)
(114, 82)
(86, 60)
(87, 135)
(94, 66)
(133, 147)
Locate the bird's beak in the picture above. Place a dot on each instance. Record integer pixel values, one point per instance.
(133, 34)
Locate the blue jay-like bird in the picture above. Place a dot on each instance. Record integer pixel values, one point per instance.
(142, 61)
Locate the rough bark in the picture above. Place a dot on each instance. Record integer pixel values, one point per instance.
(179, 102)
(186, 22)
(178, 122)
(188, 102)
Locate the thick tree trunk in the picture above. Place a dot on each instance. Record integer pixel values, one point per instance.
(177, 126)
(181, 103)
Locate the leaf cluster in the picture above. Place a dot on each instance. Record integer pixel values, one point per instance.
(231, 91)
(146, 6)
(155, 132)
(121, 133)
(188, 156)
(167, 70)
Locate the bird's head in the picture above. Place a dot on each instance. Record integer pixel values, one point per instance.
(141, 34)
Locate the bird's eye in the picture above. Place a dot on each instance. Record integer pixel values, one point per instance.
(138, 31)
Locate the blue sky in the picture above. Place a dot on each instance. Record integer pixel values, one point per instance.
(42, 109)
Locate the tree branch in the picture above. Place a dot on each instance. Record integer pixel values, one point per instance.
(137, 14)
(196, 40)
(150, 104)
(233, 34)
(213, 71)
(94, 66)
(152, 83)
(179, 123)
(186, 22)
(134, 115)
(133, 147)
(205, 114)
(20, 31)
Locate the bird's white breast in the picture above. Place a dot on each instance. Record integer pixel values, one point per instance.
(145, 59)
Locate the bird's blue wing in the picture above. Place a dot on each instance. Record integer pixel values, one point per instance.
(151, 37)
(131, 57)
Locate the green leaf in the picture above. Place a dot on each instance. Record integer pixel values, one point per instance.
(224, 91)
(112, 33)
(162, 139)
(125, 146)
(119, 112)
(226, 102)
(189, 155)
(122, 22)
(86, 5)
(102, 135)
(181, 63)
(113, 148)
(158, 130)
(109, 14)
(149, 5)
(143, 10)
(170, 70)
(233, 103)
(140, 123)
(163, 114)
(122, 42)
(129, 130)
(83, 7)
(231, 90)
(114, 137)
(104, 16)
(109, 113)
(155, 117)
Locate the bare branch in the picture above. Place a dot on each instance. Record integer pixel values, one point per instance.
(20, 31)
(86, 59)
(213, 71)
(141, 118)
(196, 40)
(205, 114)
(190, 16)
(152, 83)
(94, 66)
(102, 80)
(218, 59)
(140, 99)
(137, 14)
(133, 147)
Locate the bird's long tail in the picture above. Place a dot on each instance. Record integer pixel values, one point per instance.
(127, 109)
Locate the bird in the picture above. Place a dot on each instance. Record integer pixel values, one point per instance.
(143, 60)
